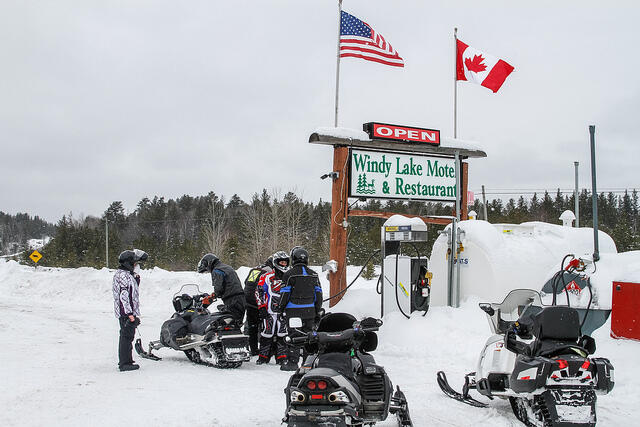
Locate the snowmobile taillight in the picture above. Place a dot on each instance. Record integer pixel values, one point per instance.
(311, 385)
(317, 396)
(322, 385)
(585, 365)
(562, 363)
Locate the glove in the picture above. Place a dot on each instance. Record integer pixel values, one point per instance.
(206, 301)
(262, 312)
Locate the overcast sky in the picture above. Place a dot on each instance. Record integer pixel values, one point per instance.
(118, 100)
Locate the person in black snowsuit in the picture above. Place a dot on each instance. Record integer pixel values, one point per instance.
(226, 285)
(252, 324)
(127, 304)
(301, 296)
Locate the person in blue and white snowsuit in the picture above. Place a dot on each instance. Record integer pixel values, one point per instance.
(301, 297)
(126, 304)
(273, 328)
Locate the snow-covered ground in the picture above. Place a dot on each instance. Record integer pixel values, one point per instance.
(58, 362)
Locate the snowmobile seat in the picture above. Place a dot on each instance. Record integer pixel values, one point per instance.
(557, 323)
(557, 329)
(339, 362)
(199, 323)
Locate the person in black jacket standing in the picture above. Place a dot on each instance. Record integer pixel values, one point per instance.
(301, 296)
(226, 285)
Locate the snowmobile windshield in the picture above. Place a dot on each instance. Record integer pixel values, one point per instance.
(517, 303)
(336, 322)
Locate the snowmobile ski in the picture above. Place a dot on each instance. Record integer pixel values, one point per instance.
(462, 397)
(145, 354)
(401, 408)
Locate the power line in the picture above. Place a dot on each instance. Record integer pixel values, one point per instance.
(531, 191)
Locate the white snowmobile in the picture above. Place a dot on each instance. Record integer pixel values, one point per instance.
(537, 359)
(213, 339)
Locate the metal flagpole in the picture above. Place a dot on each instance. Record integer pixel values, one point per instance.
(335, 122)
(455, 83)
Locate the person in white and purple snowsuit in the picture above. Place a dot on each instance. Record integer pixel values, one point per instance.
(126, 304)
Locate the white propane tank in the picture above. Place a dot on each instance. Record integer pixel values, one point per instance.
(498, 258)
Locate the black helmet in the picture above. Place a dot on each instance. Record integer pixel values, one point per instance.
(128, 259)
(299, 255)
(207, 263)
(280, 261)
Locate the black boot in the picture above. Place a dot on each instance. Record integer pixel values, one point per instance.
(262, 360)
(129, 367)
(289, 366)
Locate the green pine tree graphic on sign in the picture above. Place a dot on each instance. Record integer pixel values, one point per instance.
(363, 186)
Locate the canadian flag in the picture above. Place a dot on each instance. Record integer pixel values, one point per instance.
(478, 67)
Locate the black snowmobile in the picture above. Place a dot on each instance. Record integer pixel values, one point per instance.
(339, 383)
(213, 339)
(539, 360)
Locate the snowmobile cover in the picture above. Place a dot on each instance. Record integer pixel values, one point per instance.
(176, 327)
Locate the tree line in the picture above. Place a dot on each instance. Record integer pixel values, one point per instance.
(16, 230)
(177, 232)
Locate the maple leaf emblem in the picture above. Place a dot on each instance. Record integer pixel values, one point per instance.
(475, 65)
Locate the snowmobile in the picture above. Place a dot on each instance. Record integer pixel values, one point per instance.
(213, 339)
(339, 383)
(539, 360)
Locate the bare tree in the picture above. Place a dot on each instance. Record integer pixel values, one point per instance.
(292, 216)
(275, 221)
(215, 228)
(255, 222)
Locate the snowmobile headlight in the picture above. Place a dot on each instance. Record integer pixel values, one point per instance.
(339, 396)
(296, 396)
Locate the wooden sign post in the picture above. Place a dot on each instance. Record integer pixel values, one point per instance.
(342, 180)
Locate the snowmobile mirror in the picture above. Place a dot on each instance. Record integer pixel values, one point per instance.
(295, 322)
(370, 322)
(486, 307)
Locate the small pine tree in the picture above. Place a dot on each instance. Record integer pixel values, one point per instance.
(369, 271)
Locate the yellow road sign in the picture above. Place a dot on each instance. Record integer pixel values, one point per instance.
(35, 256)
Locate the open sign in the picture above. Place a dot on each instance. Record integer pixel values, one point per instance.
(402, 133)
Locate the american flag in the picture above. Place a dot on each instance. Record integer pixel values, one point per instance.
(359, 40)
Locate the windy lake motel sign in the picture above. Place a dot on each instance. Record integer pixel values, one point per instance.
(394, 162)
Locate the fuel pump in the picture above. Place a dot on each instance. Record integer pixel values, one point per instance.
(406, 280)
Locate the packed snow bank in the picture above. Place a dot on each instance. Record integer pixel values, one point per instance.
(497, 258)
(60, 368)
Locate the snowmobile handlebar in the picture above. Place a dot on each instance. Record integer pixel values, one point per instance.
(333, 337)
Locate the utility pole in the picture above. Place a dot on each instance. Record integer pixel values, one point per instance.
(594, 193)
(106, 240)
(575, 197)
(484, 205)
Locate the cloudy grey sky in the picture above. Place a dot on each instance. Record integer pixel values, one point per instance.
(118, 100)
